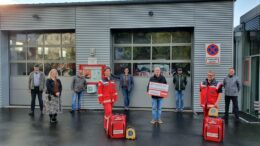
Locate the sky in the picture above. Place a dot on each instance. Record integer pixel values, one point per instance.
(241, 6)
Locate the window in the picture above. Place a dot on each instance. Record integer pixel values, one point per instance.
(142, 51)
(49, 50)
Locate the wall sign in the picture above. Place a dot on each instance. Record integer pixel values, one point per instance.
(212, 53)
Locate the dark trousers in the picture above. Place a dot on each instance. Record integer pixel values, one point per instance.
(37, 92)
(235, 105)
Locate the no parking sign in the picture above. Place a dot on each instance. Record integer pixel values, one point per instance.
(212, 53)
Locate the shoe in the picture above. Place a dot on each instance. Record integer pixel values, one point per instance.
(72, 111)
(153, 122)
(181, 109)
(31, 113)
(160, 121)
(78, 110)
(126, 108)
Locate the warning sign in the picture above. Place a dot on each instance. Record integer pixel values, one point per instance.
(212, 53)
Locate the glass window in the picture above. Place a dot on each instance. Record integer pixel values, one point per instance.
(181, 37)
(165, 68)
(18, 69)
(141, 53)
(123, 38)
(52, 39)
(123, 53)
(52, 53)
(68, 53)
(30, 67)
(68, 39)
(18, 53)
(161, 37)
(185, 68)
(35, 39)
(35, 53)
(141, 69)
(161, 53)
(17, 39)
(142, 38)
(119, 68)
(64, 69)
(181, 52)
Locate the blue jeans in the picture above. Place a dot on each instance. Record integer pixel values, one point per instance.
(156, 108)
(76, 97)
(179, 100)
(126, 95)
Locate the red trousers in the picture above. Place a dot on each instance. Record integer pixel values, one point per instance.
(108, 112)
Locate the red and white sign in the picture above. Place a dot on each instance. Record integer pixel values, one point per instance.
(158, 89)
(212, 53)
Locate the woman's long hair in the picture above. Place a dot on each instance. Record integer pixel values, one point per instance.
(53, 70)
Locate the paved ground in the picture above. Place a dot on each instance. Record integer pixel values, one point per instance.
(85, 129)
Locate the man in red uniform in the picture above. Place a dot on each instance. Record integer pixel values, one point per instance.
(107, 94)
(210, 93)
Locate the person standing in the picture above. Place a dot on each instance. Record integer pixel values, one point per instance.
(36, 86)
(157, 100)
(107, 94)
(52, 105)
(180, 82)
(232, 87)
(210, 93)
(126, 84)
(77, 86)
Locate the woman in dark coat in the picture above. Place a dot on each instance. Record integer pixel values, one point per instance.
(52, 104)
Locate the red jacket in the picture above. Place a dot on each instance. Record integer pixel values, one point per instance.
(107, 91)
(209, 92)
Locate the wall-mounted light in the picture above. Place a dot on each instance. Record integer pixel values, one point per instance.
(92, 52)
(150, 13)
(35, 16)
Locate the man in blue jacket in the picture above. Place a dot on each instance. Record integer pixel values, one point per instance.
(126, 84)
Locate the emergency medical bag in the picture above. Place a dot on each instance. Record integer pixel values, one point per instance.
(117, 126)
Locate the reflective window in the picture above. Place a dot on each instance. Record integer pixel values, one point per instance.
(18, 68)
(181, 52)
(45, 49)
(141, 53)
(142, 38)
(123, 38)
(18, 53)
(119, 68)
(161, 53)
(181, 37)
(169, 49)
(141, 69)
(123, 53)
(161, 37)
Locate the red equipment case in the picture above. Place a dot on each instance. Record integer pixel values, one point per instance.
(213, 129)
(117, 126)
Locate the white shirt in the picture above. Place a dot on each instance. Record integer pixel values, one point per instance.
(36, 79)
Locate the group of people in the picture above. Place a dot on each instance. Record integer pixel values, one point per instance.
(210, 92)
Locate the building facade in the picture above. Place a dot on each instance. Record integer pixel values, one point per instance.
(139, 35)
(247, 59)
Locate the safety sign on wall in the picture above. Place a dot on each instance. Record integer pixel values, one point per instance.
(212, 53)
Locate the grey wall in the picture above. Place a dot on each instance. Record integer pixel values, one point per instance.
(212, 23)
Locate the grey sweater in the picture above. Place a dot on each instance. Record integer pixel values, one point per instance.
(78, 84)
(232, 85)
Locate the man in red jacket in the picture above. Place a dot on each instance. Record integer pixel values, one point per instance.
(107, 94)
(210, 93)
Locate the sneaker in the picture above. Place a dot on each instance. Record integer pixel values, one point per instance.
(160, 121)
(153, 122)
(126, 108)
(72, 111)
(31, 113)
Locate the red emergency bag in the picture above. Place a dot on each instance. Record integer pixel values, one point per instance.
(117, 126)
(213, 129)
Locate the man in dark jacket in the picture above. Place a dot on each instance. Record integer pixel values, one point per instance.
(156, 100)
(180, 82)
(232, 87)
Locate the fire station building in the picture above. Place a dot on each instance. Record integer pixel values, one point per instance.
(140, 35)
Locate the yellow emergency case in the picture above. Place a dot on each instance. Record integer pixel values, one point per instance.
(130, 133)
(213, 112)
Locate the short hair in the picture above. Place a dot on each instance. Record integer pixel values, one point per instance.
(36, 65)
(211, 72)
(106, 68)
(157, 68)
